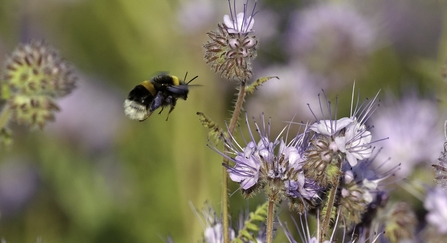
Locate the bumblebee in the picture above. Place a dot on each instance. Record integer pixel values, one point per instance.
(160, 91)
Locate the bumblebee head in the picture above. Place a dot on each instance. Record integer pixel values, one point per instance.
(181, 91)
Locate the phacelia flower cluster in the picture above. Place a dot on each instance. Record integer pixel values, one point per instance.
(231, 48)
(361, 193)
(272, 165)
(33, 77)
(328, 153)
(336, 142)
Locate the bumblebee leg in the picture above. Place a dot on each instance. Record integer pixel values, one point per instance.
(162, 108)
(172, 101)
(170, 110)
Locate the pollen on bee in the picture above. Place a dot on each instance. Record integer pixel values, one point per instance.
(135, 110)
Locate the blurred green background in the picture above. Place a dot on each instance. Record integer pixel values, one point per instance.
(95, 176)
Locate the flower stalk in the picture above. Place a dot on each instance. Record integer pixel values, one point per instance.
(233, 122)
(330, 203)
(5, 116)
(328, 208)
(270, 216)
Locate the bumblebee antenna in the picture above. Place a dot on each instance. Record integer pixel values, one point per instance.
(186, 74)
(191, 79)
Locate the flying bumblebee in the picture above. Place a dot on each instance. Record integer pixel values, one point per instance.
(160, 91)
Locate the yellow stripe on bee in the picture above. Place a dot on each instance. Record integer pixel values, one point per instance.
(175, 80)
(150, 87)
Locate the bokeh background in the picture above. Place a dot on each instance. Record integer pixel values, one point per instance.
(95, 176)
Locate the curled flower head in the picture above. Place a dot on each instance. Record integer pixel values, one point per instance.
(334, 142)
(361, 193)
(34, 75)
(231, 48)
(400, 222)
(37, 69)
(272, 165)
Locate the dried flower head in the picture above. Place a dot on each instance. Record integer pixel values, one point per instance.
(231, 48)
(34, 75)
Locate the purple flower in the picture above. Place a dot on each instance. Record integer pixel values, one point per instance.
(348, 135)
(270, 164)
(240, 23)
(246, 170)
(414, 130)
(435, 203)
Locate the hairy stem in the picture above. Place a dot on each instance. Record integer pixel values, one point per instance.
(329, 206)
(225, 204)
(237, 107)
(270, 215)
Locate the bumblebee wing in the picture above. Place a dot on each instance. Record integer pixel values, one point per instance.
(178, 89)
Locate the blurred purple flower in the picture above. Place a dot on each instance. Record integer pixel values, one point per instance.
(435, 203)
(296, 88)
(413, 126)
(331, 29)
(18, 183)
(92, 116)
(332, 39)
(195, 15)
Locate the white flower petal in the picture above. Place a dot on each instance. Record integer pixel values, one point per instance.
(330, 127)
(351, 159)
(227, 21)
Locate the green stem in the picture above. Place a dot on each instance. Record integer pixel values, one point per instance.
(225, 204)
(329, 207)
(237, 108)
(330, 202)
(270, 216)
(4, 116)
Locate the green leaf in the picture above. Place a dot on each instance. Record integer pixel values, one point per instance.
(250, 89)
(216, 132)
